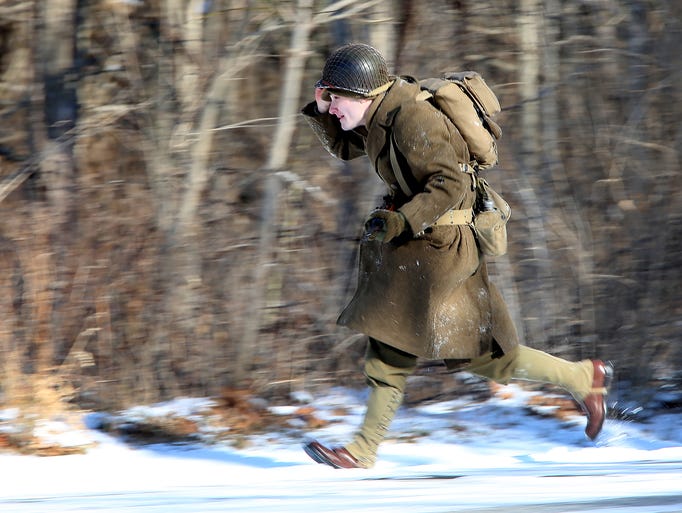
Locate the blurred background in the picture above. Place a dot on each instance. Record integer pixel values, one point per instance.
(169, 225)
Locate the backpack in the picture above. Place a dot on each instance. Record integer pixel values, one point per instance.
(469, 103)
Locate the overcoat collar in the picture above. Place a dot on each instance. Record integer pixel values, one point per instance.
(382, 112)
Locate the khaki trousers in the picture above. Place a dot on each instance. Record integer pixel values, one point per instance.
(387, 370)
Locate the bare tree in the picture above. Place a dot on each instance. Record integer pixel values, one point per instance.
(540, 321)
(304, 22)
(568, 221)
(288, 107)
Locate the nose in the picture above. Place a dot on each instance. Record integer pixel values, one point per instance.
(333, 109)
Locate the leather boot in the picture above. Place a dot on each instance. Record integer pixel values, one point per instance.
(335, 457)
(586, 380)
(594, 403)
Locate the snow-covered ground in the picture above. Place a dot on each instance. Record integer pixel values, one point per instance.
(454, 456)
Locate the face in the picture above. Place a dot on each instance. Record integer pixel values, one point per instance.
(350, 111)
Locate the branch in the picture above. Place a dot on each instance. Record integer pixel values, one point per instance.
(315, 192)
(332, 13)
(14, 180)
(248, 123)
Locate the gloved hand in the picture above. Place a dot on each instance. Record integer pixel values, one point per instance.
(384, 225)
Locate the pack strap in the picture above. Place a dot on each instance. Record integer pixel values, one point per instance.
(397, 171)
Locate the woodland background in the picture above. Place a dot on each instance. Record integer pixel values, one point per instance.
(170, 226)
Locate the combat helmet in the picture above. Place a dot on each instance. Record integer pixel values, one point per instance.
(355, 70)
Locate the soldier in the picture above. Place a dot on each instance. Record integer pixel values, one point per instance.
(423, 288)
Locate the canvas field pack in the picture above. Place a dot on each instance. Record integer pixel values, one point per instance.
(470, 105)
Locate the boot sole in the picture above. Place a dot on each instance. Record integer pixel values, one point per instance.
(608, 374)
(316, 456)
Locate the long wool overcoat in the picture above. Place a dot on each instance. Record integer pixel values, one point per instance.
(428, 295)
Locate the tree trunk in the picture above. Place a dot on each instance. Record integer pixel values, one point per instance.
(570, 225)
(288, 107)
(57, 168)
(537, 316)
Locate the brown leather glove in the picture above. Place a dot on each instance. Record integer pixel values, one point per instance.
(384, 225)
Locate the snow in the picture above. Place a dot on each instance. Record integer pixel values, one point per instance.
(455, 456)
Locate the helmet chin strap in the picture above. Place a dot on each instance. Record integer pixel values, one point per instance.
(380, 89)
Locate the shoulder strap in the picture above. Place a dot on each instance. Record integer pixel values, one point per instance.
(423, 95)
(400, 176)
(397, 170)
